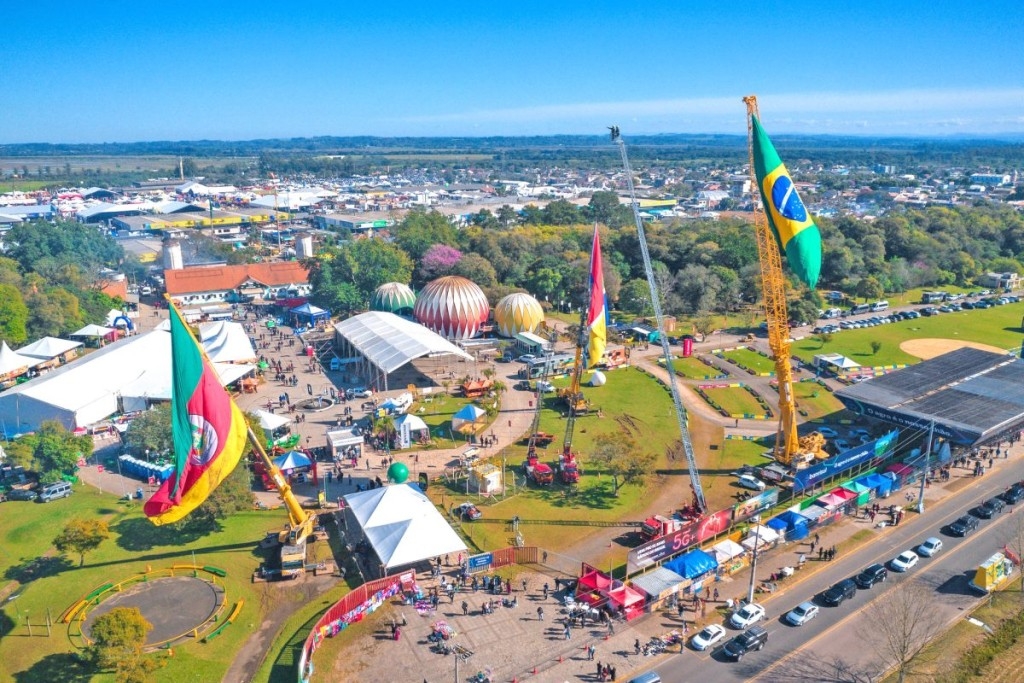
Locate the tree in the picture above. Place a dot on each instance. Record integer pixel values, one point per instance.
(870, 288)
(420, 230)
(902, 625)
(605, 207)
(704, 324)
(13, 315)
(118, 638)
(876, 346)
(623, 458)
(56, 451)
(151, 431)
(824, 338)
(438, 260)
(635, 297)
(80, 536)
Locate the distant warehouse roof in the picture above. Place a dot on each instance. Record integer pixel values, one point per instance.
(389, 342)
(973, 396)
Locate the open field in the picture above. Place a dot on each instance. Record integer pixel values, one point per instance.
(735, 400)
(815, 400)
(46, 582)
(691, 368)
(157, 162)
(751, 359)
(998, 326)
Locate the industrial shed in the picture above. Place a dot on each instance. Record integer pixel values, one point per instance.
(973, 396)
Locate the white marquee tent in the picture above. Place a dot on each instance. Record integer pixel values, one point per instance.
(13, 363)
(227, 342)
(402, 525)
(48, 348)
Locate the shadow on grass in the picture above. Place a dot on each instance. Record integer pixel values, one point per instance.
(598, 497)
(38, 568)
(138, 534)
(63, 667)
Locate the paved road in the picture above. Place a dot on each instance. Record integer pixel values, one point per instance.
(833, 646)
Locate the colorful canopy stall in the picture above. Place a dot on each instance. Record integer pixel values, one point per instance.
(900, 474)
(791, 524)
(659, 585)
(626, 601)
(309, 314)
(861, 493)
(469, 419)
(849, 497)
(819, 515)
(730, 555)
(831, 501)
(879, 484)
(593, 587)
(693, 564)
(292, 460)
(412, 430)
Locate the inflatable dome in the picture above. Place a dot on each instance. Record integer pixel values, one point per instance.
(453, 307)
(517, 313)
(598, 379)
(393, 297)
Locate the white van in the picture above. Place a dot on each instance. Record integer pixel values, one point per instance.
(61, 489)
(879, 306)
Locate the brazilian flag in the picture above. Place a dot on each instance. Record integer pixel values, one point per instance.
(794, 229)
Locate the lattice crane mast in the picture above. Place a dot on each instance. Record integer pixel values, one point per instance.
(773, 286)
(699, 503)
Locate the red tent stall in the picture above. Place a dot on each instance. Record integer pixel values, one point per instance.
(593, 586)
(626, 601)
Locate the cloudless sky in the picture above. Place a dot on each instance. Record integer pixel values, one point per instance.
(117, 71)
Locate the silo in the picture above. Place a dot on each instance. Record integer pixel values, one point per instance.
(304, 245)
(172, 256)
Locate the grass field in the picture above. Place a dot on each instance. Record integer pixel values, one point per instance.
(815, 400)
(998, 326)
(438, 416)
(46, 582)
(735, 400)
(691, 368)
(751, 359)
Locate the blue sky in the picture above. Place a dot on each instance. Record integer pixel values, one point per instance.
(182, 70)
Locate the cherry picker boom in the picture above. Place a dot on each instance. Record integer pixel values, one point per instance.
(699, 505)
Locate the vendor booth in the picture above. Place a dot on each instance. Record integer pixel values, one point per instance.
(593, 586)
(626, 601)
(879, 485)
(861, 493)
(308, 314)
(469, 419)
(411, 430)
(762, 536)
(730, 555)
(831, 501)
(659, 585)
(819, 515)
(695, 565)
(344, 443)
(900, 475)
(791, 524)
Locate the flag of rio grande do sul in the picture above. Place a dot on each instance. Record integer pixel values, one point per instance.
(795, 230)
(209, 430)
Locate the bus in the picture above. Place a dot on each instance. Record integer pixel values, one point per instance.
(860, 308)
(556, 364)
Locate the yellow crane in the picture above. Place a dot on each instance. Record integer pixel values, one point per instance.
(788, 445)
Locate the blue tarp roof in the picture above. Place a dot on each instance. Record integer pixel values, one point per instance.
(292, 460)
(788, 520)
(878, 482)
(693, 564)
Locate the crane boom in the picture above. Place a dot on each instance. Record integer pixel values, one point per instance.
(684, 433)
(773, 285)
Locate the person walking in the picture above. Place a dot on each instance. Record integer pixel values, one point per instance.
(590, 652)
(567, 632)
(540, 614)
(465, 608)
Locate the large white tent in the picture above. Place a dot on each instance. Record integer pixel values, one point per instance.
(13, 363)
(127, 375)
(387, 341)
(402, 525)
(227, 342)
(48, 348)
(271, 421)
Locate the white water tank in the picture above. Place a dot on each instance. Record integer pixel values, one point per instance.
(303, 245)
(172, 256)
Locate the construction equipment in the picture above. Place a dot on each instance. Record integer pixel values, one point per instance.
(699, 505)
(773, 285)
(293, 538)
(572, 395)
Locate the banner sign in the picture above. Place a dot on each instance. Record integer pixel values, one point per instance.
(690, 534)
(755, 505)
(880, 448)
(477, 563)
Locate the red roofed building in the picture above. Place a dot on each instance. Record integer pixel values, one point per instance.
(273, 280)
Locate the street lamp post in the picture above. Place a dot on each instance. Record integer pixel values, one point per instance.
(924, 473)
(753, 561)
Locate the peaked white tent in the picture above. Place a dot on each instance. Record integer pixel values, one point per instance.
(48, 348)
(402, 525)
(226, 342)
(270, 421)
(92, 331)
(13, 363)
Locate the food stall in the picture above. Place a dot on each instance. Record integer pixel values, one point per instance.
(626, 601)
(659, 585)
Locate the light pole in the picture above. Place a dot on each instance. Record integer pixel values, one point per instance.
(924, 473)
(753, 561)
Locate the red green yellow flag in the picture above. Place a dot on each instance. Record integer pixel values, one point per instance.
(795, 230)
(597, 310)
(209, 430)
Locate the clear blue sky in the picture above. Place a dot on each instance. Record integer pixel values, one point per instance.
(182, 70)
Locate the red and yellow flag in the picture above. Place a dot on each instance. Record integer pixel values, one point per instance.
(209, 430)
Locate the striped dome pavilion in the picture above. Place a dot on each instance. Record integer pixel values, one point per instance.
(453, 307)
(393, 297)
(518, 312)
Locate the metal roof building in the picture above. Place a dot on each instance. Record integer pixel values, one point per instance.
(973, 396)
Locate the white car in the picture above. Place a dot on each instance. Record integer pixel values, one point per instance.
(526, 358)
(802, 613)
(904, 561)
(930, 547)
(711, 634)
(747, 616)
(358, 392)
(841, 445)
(545, 387)
(749, 481)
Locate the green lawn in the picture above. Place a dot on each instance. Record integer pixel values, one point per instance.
(761, 365)
(998, 326)
(692, 368)
(735, 400)
(438, 416)
(815, 400)
(48, 582)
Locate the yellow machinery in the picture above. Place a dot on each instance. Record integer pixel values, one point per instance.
(773, 284)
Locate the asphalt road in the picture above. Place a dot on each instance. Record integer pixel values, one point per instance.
(837, 645)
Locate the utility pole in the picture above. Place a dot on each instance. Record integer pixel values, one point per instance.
(753, 562)
(924, 473)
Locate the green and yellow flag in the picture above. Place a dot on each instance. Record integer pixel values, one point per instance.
(796, 232)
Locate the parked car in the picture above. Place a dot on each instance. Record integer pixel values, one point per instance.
(469, 511)
(827, 432)
(836, 594)
(1014, 494)
(708, 637)
(526, 358)
(21, 494)
(841, 445)
(358, 392)
(904, 561)
(802, 613)
(752, 639)
(875, 573)
(544, 386)
(983, 511)
(747, 615)
(995, 504)
(929, 547)
(963, 526)
(751, 482)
